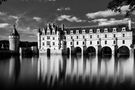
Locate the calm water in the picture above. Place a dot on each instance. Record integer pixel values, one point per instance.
(61, 71)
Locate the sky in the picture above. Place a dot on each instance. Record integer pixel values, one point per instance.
(30, 15)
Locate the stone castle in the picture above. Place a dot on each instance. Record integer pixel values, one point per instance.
(109, 39)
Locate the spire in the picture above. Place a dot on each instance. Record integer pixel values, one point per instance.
(14, 31)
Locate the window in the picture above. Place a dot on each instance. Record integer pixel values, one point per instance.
(105, 30)
(123, 41)
(98, 30)
(90, 36)
(97, 42)
(114, 35)
(53, 38)
(97, 36)
(43, 38)
(83, 43)
(53, 43)
(114, 42)
(48, 42)
(48, 37)
(114, 29)
(90, 42)
(123, 35)
(77, 31)
(105, 42)
(83, 36)
(77, 42)
(48, 32)
(70, 43)
(83, 31)
(71, 32)
(105, 36)
(123, 29)
(77, 37)
(71, 37)
(53, 32)
(90, 31)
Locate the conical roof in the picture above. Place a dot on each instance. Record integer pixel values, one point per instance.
(14, 32)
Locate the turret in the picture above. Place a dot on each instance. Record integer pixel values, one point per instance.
(39, 38)
(14, 39)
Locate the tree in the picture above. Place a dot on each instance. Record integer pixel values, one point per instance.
(2, 1)
(116, 5)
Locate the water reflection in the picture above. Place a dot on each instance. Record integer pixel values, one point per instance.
(61, 71)
(79, 69)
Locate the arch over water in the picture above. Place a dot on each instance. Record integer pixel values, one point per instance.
(106, 50)
(78, 50)
(123, 50)
(90, 50)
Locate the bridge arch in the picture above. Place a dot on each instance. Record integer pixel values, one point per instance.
(123, 50)
(90, 50)
(78, 50)
(106, 50)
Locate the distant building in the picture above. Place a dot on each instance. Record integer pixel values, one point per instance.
(108, 39)
(14, 39)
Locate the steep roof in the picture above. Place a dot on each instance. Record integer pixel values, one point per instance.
(14, 32)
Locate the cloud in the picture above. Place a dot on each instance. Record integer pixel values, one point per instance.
(106, 13)
(38, 19)
(64, 9)
(69, 18)
(3, 25)
(112, 21)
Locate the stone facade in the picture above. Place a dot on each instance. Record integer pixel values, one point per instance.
(68, 39)
(14, 39)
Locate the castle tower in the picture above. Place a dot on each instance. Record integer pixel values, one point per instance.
(14, 39)
(39, 38)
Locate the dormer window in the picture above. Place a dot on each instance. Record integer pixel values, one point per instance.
(77, 31)
(98, 30)
(124, 29)
(90, 31)
(53, 32)
(106, 30)
(114, 30)
(71, 32)
(48, 32)
(83, 31)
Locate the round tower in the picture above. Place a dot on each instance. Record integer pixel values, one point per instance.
(14, 39)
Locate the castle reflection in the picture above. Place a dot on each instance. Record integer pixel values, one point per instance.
(63, 71)
(80, 69)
